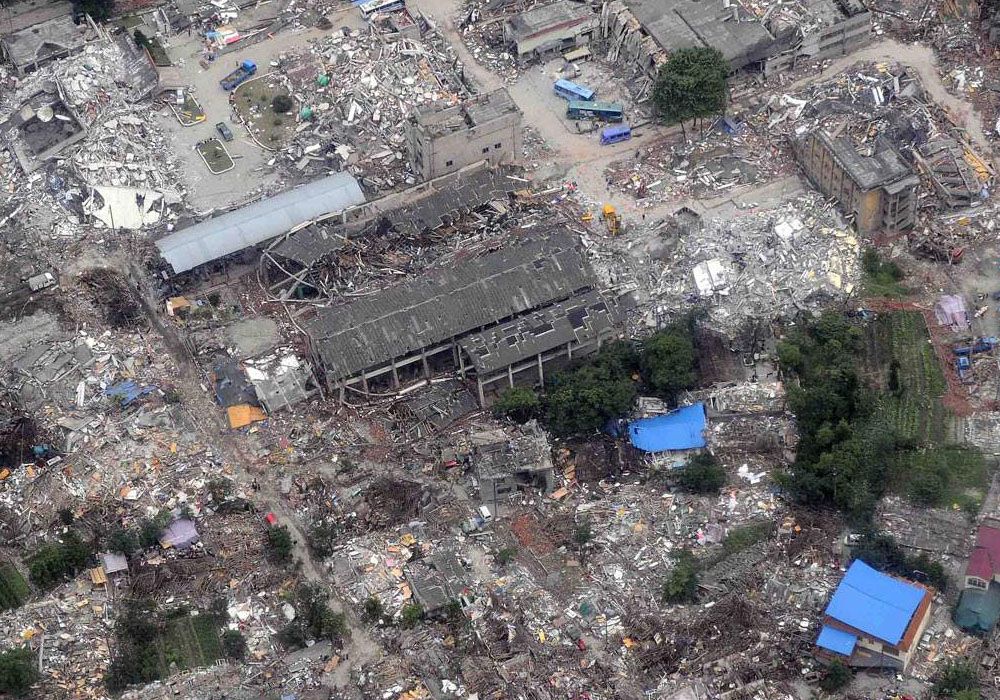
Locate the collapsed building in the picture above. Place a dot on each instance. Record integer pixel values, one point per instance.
(444, 139)
(33, 47)
(879, 191)
(499, 317)
(548, 30)
(642, 33)
(504, 466)
(43, 126)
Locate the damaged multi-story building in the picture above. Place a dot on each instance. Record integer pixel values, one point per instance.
(442, 139)
(496, 319)
(642, 33)
(878, 190)
(35, 46)
(549, 30)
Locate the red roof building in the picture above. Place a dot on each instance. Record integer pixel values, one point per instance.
(984, 562)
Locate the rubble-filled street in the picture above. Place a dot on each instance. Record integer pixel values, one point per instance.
(465, 349)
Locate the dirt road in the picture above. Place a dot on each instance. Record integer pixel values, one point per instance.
(208, 419)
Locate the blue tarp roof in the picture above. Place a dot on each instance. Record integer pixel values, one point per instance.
(836, 640)
(683, 429)
(875, 603)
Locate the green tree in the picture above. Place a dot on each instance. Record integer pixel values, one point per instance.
(18, 671)
(141, 40)
(583, 533)
(691, 85)
(837, 676)
(234, 646)
(122, 541)
(282, 104)
(411, 615)
(518, 403)
(702, 474)
(279, 545)
(956, 677)
(99, 10)
(150, 529)
(373, 611)
(582, 400)
(54, 562)
(506, 555)
(667, 362)
(966, 695)
(681, 585)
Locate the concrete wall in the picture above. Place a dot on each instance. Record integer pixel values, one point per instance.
(553, 42)
(497, 141)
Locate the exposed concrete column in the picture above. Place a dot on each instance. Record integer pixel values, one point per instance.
(364, 381)
(395, 376)
(510, 375)
(423, 360)
(569, 350)
(461, 363)
(479, 386)
(541, 372)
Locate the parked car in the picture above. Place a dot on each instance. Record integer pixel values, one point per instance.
(224, 131)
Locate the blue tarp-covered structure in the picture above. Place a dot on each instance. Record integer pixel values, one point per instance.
(128, 391)
(872, 602)
(683, 429)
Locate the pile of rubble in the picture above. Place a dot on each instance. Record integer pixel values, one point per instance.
(357, 88)
(481, 23)
(755, 264)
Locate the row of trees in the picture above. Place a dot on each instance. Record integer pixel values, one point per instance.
(583, 398)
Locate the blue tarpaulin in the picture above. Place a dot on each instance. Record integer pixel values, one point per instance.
(683, 429)
(127, 391)
(875, 603)
(836, 640)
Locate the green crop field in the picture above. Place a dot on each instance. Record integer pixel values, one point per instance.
(189, 642)
(13, 588)
(903, 366)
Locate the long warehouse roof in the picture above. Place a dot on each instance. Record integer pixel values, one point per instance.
(261, 221)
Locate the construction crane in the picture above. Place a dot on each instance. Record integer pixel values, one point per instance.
(611, 219)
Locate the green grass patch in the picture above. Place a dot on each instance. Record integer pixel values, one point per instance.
(881, 278)
(215, 155)
(745, 537)
(946, 476)
(189, 642)
(253, 102)
(13, 588)
(158, 53)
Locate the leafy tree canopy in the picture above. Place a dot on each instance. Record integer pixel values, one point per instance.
(691, 84)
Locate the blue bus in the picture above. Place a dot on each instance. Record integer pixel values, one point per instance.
(616, 134)
(605, 111)
(571, 91)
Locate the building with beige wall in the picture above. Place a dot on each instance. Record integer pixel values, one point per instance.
(442, 140)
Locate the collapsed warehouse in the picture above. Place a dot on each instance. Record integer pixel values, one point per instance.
(491, 318)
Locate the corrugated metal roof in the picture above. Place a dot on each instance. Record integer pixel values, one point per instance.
(258, 222)
(875, 603)
(579, 319)
(836, 640)
(446, 303)
(683, 429)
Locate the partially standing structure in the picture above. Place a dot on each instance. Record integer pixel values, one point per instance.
(878, 190)
(874, 620)
(506, 314)
(443, 138)
(672, 437)
(259, 222)
(979, 605)
(33, 47)
(548, 30)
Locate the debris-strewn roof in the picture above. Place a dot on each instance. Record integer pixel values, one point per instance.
(44, 40)
(259, 222)
(881, 168)
(447, 303)
(985, 559)
(679, 24)
(875, 603)
(578, 320)
(683, 429)
(545, 18)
